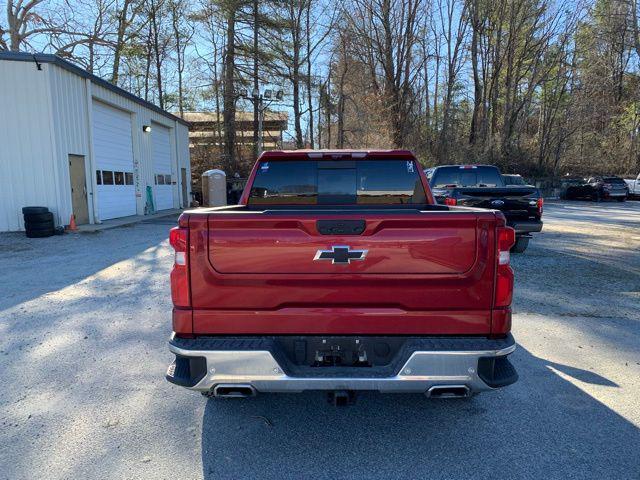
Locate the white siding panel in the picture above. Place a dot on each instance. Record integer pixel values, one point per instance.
(71, 126)
(113, 151)
(161, 154)
(26, 143)
(70, 112)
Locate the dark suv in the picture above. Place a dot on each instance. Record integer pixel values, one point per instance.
(598, 189)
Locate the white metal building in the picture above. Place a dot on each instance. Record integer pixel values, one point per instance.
(75, 143)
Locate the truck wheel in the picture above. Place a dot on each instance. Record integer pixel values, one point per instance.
(521, 245)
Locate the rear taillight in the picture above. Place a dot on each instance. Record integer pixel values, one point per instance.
(179, 240)
(504, 275)
(450, 201)
(540, 204)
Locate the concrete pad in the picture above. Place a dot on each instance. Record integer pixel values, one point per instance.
(126, 221)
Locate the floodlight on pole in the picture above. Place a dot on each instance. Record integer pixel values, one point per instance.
(258, 100)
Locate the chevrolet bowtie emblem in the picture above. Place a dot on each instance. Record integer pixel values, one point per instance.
(340, 254)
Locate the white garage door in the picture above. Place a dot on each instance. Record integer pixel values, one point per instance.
(113, 150)
(161, 152)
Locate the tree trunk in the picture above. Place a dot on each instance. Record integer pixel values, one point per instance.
(477, 85)
(156, 50)
(175, 10)
(147, 66)
(119, 43)
(309, 80)
(229, 112)
(341, 106)
(328, 110)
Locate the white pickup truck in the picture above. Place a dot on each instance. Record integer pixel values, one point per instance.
(634, 186)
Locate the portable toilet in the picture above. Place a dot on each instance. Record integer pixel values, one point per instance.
(214, 188)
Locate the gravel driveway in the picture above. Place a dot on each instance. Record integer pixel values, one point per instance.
(83, 325)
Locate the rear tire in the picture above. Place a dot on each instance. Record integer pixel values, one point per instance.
(521, 245)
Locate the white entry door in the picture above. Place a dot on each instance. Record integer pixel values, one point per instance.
(161, 154)
(113, 151)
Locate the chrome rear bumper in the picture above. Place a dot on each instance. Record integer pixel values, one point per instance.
(260, 370)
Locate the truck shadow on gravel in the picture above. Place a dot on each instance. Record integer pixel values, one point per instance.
(541, 427)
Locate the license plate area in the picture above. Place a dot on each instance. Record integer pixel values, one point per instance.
(332, 351)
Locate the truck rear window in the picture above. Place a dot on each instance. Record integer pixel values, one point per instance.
(466, 177)
(325, 182)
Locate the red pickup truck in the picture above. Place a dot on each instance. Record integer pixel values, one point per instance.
(338, 271)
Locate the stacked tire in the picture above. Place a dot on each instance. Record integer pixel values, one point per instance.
(38, 222)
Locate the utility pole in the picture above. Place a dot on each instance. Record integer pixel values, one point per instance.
(260, 106)
(261, 117)
(256, 109)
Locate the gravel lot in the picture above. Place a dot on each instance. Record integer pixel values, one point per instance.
(83, 325)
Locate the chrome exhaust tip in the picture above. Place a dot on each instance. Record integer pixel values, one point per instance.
(448, 391)
(233, 390)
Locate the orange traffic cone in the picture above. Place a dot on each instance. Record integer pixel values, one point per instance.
(72, 224)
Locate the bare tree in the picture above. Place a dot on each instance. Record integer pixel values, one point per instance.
(26, 20)
(453, 28)
(231, 10)
(386, 39)
(183, 32)
(129, 25)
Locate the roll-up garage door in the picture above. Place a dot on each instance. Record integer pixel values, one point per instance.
(113, 151)
(161, 152)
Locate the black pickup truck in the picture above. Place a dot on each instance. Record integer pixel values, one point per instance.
(482, 186)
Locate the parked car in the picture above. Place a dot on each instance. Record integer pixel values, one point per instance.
(598, 189)
(568, 186)
(482, 186)
(511, 179)
(338, 272)
(634, 186)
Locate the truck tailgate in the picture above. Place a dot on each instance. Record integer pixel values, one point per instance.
(281, 245)
(429, 272)
(514, 202)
